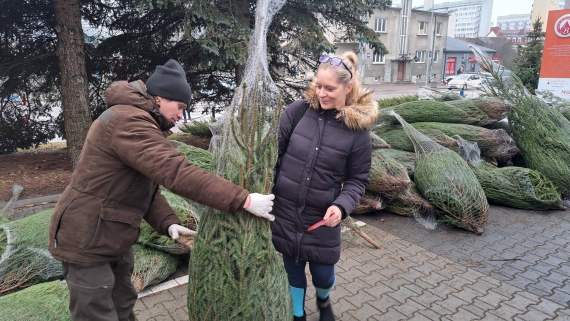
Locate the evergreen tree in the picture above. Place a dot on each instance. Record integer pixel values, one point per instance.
(28, 67)
(74, 86)
(527, 64)
(210, 39)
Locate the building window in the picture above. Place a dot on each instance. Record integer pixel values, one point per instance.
(423, 28)
(438, 29)
(378, 58)
(436, 56)
(450, 66)
(420, 56)
(380, 25)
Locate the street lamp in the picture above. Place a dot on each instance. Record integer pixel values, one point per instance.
(363, 52)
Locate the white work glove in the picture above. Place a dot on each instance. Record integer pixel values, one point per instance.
(176, 230)
(260, 205)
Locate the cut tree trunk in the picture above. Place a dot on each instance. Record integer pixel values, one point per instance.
(74, 86)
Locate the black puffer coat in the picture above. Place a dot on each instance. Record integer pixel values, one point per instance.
(326, 161)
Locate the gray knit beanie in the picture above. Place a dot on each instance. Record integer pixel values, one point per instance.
(169, 81)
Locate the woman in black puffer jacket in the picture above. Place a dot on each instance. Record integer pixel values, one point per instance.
(323, 168)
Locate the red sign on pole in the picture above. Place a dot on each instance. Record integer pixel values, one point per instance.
(555, 65)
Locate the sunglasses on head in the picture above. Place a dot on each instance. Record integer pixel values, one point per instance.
(335, 61)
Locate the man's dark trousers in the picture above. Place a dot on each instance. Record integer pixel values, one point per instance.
(103, 292)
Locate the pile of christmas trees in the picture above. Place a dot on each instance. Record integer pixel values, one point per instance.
(446, 158)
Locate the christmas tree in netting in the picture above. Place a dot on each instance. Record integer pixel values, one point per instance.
(187, 211)
(447, 182)
(234, 271)
(541, 131)
(24, 259)
(42, 302)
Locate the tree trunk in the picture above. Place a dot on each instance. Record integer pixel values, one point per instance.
(74, 86)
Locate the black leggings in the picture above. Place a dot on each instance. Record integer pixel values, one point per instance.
(323, 274)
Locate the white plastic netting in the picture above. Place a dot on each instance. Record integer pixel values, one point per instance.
(447, 182)
(188, 212)
(25, 259)
(541, 131)
(42, 302)
(234, 271)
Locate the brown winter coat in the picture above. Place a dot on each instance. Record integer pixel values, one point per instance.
(115, 184)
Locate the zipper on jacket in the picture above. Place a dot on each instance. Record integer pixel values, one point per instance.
(299, 233)
(298, 237)
(59, 224)
(57, 231)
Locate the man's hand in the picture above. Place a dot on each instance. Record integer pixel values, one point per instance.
(335, 215)
(260, 205)
(176, 230)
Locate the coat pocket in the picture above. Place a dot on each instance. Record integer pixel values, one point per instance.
(55, 223)
(117, 230)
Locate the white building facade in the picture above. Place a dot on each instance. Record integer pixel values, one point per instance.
(472, 17)
(514, 22)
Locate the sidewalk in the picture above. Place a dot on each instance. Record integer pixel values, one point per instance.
(519, 269)
(382, 91)
(29, 206)
(390, 90)
(401, 281)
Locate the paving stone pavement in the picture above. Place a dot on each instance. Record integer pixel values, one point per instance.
(404, 281)
(529, 250)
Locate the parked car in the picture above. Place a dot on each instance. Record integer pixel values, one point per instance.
(447, 79)
(465, 80)
(12, 98)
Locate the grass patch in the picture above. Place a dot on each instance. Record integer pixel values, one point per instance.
(46, 146)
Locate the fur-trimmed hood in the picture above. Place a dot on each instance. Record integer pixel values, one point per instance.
(361, 115)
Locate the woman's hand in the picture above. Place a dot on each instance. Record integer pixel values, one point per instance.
(335, 215)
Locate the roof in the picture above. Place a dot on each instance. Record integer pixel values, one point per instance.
(457, 45)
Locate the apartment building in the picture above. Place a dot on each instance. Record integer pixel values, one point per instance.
(514, 22)
(472, 17)
(540, 8)
(414, 38)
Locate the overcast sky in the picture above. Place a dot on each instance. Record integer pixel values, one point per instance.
(500, 7)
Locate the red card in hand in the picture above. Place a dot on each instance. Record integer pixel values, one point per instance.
(318, 224)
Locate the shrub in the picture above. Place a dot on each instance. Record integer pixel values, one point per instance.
(197, 129)
(20, 130)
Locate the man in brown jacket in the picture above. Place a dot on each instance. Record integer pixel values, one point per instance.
(115, 186)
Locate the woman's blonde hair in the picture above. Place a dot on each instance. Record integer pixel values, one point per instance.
(343, 76)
